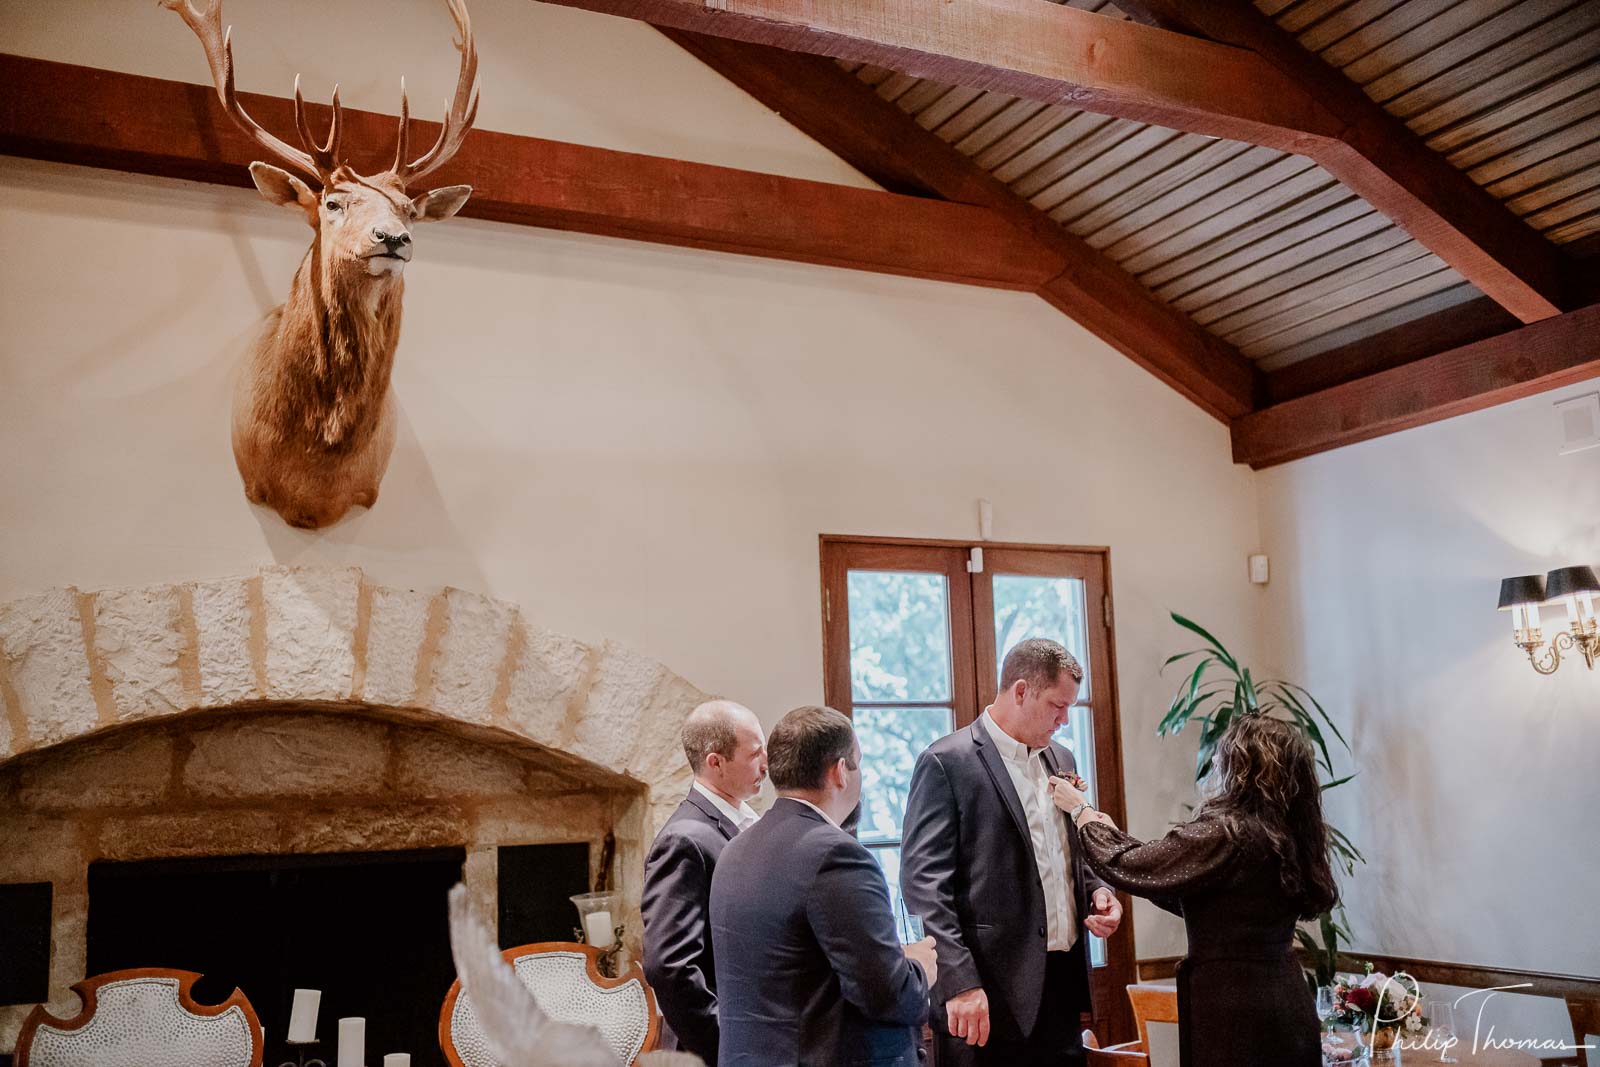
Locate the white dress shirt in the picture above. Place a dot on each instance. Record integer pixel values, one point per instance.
(1046, 833)
(742, 817)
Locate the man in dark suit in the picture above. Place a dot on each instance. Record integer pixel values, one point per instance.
(810, 970)
(995, 872)
(728, 754)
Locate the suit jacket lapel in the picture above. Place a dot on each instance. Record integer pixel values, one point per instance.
(729, 830)
(990, 758)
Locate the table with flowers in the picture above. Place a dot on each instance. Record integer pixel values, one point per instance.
(1380, 1020)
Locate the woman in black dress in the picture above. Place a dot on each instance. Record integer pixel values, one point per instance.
(1252, 861)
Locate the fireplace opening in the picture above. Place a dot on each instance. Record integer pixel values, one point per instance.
(368, 929)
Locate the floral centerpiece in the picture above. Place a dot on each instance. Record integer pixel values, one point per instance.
(1385, 1008)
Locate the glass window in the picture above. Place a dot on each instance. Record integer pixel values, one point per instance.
(899, 637)
(901, 697)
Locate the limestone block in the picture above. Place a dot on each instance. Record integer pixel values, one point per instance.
(395, 633)
(11, 1019)
(624, 688)
(39, 848)
(287, 756)
(69, 938)
(207, 833)
(548, 780)
(541, 820)
(433, 764)
(633, 720)
(378, 828)
(471, 652)
(124, 771)
(41, 637)
(657, 759)
(550, 677)
(6, 736)
(311, 623)
(138, 634)
(481, 875)
(222, 618)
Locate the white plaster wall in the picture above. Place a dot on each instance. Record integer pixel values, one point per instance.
(545, 71)
(1477, 797)
(629, 441)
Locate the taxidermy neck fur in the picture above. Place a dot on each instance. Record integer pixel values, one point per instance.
(335, 338)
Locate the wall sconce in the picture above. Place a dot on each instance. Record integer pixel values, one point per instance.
(1575, 587)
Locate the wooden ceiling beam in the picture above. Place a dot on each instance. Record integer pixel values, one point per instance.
(1408, 342)
(844, 115)
(1042, 51)
(101, 118)
(1061, 55)
(1531, 359)
(1378, 156)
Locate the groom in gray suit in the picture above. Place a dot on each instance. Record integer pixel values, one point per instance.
(728, 754)
(995, 871)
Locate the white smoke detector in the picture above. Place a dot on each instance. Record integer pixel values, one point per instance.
(1580, 423)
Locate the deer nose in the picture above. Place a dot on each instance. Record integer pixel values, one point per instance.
(394, 242)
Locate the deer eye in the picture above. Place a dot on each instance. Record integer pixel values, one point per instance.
(333, 205)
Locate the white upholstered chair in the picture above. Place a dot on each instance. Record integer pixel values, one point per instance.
(565, 979)
(146, 1017)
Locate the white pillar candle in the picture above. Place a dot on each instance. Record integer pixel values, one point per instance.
(352, 1042)
(303, 1016)
(598, 928)
(397, 1059)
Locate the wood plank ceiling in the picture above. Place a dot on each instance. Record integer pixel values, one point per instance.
(1267, 250)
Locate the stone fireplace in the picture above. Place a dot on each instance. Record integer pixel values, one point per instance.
(306, 712)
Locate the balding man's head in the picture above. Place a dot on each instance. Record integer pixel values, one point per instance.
(726, 748)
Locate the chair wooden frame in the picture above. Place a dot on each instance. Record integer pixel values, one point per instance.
(1126, 1054)
(634, 973)
(88, 991)
(1152, 1004)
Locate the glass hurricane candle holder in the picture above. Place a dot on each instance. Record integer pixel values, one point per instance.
(600, 925)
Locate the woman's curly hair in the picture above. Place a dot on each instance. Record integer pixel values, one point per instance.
(1264, 775)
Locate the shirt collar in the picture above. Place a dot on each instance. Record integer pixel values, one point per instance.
(741, 816)
(1010, 749)
(814, 808)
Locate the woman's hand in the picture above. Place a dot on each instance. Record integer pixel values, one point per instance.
(1066, 795)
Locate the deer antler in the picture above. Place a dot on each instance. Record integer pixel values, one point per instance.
(459, 111)
(317, 162)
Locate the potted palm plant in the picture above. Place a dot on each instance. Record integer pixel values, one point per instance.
(1216, 689)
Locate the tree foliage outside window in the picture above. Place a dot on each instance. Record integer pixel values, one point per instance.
(900, 652)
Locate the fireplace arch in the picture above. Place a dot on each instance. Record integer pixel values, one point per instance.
(195, 686)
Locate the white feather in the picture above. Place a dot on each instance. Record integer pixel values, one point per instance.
(518, 1031)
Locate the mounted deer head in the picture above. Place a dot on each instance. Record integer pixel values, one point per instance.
(313, 417)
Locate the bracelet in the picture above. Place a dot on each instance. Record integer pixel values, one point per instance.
(1075, 812)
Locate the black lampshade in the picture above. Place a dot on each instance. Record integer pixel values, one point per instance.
(1566, 582)
(1528, 589)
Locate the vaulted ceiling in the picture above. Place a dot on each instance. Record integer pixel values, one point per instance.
(1320, 220)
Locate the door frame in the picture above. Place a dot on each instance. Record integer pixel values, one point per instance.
(948, 556)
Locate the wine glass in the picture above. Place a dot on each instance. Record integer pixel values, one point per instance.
(1325, 1003)
(1441, 1015)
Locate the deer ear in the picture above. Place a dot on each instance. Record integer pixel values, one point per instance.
(280, 187)
(436, 205)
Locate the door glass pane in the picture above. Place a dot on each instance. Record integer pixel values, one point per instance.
(899, 637)
(888, 857)
(1078, 738)
(891, 740)
(1028, 606)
